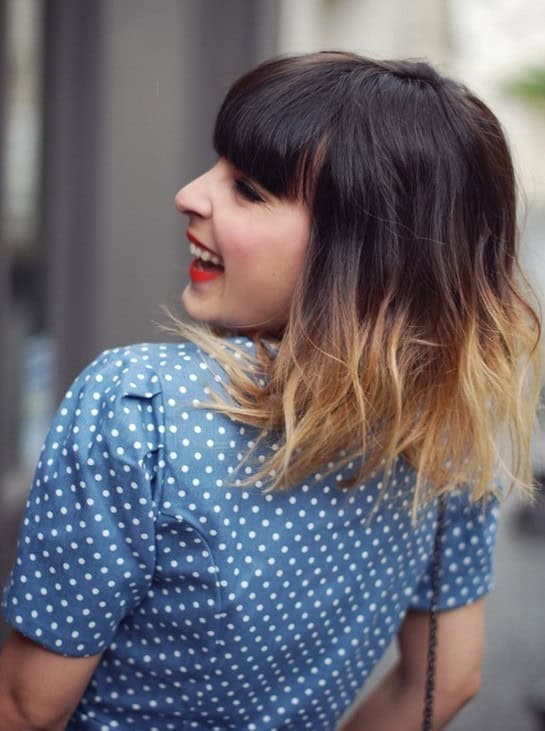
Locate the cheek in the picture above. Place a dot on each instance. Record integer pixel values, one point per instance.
(293, 244)
(267, 246)
(237, 240)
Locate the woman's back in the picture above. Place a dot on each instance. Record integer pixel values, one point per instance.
(221, 607)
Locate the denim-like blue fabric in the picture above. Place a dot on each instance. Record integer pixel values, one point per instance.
(216, 607)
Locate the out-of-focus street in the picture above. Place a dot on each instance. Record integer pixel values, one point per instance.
(515, 635)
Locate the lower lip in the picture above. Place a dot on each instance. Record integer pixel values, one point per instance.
(201, 275)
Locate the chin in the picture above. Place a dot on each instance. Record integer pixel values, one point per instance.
(192, 308)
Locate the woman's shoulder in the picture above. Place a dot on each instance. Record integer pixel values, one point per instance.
(144, 368)
(151, 352)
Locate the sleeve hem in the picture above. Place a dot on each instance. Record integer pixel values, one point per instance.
(49, 640)
(453, 603)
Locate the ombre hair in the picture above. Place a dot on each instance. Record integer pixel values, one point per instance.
(412, 331)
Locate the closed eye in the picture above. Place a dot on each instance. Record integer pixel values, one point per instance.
(246, 191)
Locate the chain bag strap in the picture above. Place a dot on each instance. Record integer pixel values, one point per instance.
(427, 721)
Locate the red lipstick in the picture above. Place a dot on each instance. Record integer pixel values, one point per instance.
(196, 274)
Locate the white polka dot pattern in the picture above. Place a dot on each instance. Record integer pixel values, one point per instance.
(218, 607)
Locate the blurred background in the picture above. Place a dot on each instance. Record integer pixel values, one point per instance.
(106, 109)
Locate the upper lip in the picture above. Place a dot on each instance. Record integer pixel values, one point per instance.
(196, 241)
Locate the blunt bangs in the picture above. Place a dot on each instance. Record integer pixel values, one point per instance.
(273, 125)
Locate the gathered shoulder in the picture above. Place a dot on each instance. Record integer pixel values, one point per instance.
(143, 369)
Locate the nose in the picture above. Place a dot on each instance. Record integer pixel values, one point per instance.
(194, 198)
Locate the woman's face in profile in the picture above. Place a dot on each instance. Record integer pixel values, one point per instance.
(259, 242)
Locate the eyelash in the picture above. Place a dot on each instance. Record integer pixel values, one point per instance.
(246, 191)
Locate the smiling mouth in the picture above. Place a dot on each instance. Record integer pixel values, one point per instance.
(206, 258)
(206, 266)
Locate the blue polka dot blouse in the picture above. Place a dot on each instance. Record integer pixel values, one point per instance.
(216, 607)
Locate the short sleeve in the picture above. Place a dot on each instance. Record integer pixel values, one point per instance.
(86, 550)
(467, 553)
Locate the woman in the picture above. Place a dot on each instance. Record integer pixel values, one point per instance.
(228, 532)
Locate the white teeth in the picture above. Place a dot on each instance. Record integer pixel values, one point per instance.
(204, 255)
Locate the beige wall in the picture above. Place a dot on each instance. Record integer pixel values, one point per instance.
(492, 43)
(390, 28)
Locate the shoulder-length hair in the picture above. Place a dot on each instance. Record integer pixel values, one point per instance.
(412, 330)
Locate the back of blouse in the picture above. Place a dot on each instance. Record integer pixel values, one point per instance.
(216, 606)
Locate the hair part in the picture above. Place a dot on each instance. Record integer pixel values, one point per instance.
(412, 330)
